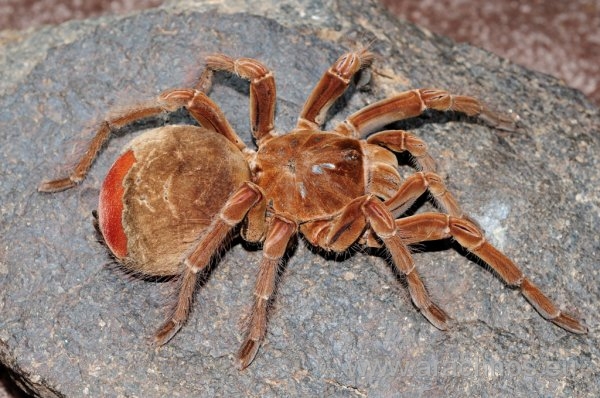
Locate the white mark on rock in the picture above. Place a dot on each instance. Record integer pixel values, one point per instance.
(494, 214)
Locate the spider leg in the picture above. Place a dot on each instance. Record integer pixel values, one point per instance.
(433, 226)
(383, 223)
(203, 109)
(262, 90)
(400, 141)
(198, 104)
(413, 187)
(331, 86)
(279, 233)
(413, 103)
(232, 213)
(102, 135)
(416, 185)
(341, 232)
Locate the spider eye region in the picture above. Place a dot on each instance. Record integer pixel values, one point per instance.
(291, 166)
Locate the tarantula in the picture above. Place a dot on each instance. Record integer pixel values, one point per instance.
(177, 193)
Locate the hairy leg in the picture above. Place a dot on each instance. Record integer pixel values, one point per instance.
(413, 103)
(278, 235)
(262, 90)
(433, 226)
(331, 86)
(232, 213)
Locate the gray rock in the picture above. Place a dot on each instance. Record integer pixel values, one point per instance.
(71, 327)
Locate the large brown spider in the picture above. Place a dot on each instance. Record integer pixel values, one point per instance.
(176, 194)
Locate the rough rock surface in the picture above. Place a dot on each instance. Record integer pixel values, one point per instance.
(71, 327)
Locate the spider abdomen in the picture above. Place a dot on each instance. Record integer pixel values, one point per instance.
(162, 193)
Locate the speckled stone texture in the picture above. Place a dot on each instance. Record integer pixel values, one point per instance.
(341, 327)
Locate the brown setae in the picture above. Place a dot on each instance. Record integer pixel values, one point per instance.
(177, 193)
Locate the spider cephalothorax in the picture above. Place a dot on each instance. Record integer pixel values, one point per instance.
(177, 193)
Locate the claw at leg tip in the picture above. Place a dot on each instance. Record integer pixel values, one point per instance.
(55, 185)
(165, 333)
(437, 317)
(247, 353)
(570, 324)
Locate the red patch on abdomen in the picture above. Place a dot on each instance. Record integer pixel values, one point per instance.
(110, 205)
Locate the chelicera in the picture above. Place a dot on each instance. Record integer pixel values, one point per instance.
(177, 193)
